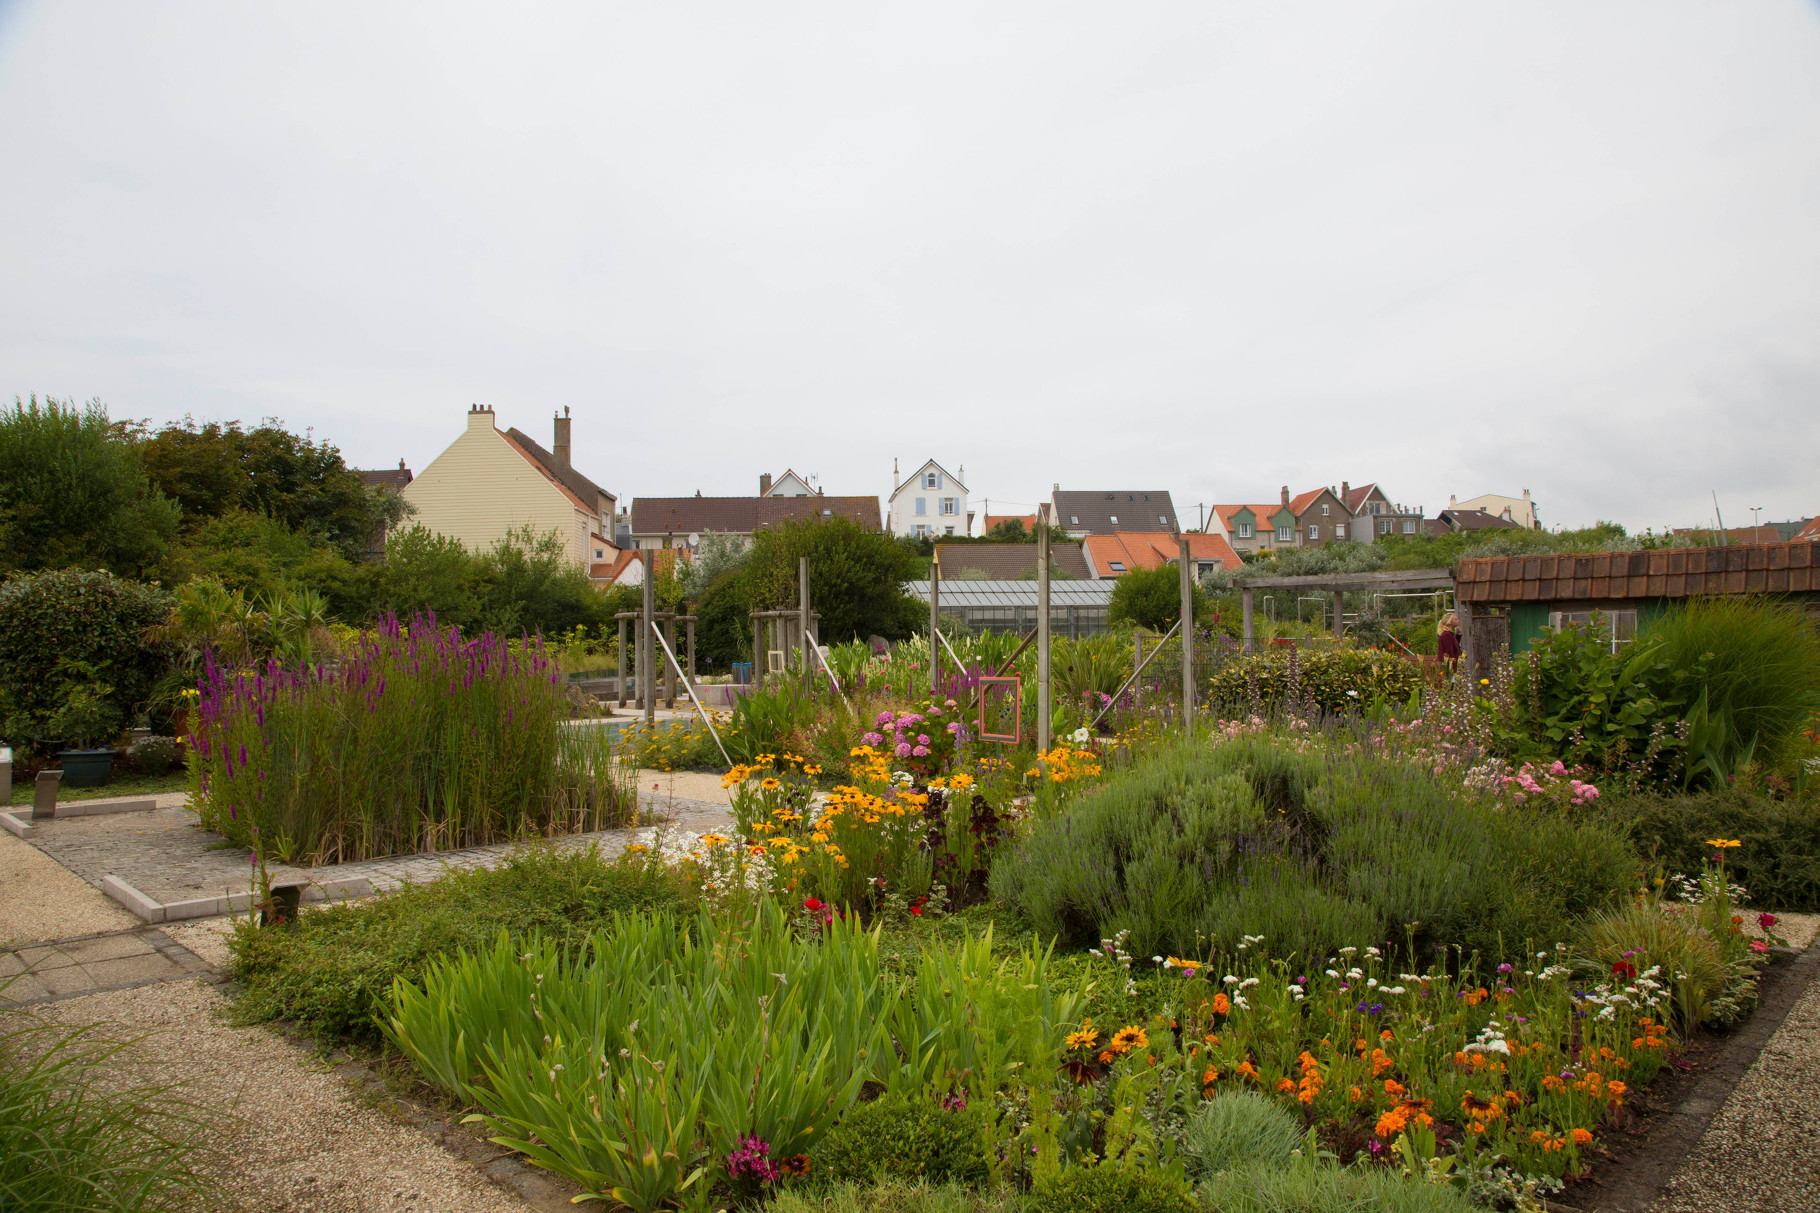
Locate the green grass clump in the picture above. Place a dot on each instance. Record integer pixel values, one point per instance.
(1237, 1129)
(1112, 1187)
(898, 1138)
(333, 970)
(71, 1145)
(895, 1198)
(1310, 1187)
(1313, 851)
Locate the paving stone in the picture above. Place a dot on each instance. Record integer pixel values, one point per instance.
(23, 989)
(122, 970)
(104, 947)
(71, 979)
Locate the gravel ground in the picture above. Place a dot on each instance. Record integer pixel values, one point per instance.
(1761, 1153)
(299, 1139)
(684, 785)
(41, 899)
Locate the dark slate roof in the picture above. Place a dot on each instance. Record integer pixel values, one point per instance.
(742, 515)
(1135, 509)
(567, 476)
(1008, 561)
(1477, 520)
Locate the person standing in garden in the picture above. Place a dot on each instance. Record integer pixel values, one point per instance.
(1447, 646)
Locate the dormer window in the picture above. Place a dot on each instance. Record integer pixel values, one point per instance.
(1244, 530)
(932, 480)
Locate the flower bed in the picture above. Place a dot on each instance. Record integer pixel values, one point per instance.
(419, 741)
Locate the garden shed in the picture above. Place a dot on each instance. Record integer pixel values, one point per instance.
(1534, 593)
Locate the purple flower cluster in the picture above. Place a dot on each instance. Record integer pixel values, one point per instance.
(752, 1160)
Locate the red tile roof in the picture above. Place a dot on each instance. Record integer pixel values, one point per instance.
(1354, 497)
(1810, 532)
(1264, 514)
(1756, 568)
(1029, 520)
(1152, 550)
(1302, 501)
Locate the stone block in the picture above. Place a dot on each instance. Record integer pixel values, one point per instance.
(207, 907)
(18, 829)
(348, 888)
(142, 906)
(44, 794)
(96, 808)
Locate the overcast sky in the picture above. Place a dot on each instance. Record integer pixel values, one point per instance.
(1208, 247)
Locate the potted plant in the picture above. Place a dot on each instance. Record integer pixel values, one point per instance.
(87, 722)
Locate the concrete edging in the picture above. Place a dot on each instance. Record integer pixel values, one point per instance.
(150, 911)
(17, 828)
(100, 806)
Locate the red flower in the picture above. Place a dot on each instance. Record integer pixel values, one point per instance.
(917, 910)
(1624, 968)
(1766, 920)
(812, 905)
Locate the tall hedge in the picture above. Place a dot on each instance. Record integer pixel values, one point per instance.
(53, 623)
(1339, 681)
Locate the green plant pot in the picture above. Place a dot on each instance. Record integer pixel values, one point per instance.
(86, 768)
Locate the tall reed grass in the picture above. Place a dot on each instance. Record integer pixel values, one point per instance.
(1758, 662)
(419, 740)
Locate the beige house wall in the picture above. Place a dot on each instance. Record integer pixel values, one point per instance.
(481, 487)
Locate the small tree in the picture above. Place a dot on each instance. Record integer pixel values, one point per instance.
(1152, 598)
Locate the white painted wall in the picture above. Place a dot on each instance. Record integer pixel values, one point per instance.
(902, 516)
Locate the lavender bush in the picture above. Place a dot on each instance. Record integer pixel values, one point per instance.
(418, 741)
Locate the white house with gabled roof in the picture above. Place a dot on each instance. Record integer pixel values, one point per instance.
(931, 501)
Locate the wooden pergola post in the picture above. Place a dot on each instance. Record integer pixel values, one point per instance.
(1187, 641)
(1249, 630)
(620, 619)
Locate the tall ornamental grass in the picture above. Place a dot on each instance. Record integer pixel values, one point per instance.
(418, 741)
(1758, 662)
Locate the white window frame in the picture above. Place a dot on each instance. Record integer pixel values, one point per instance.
(1244, 530)
(1285, 534)
(1383, 524)
(1115, 519)
(932, 480)
(1409, 526)
(1339, 530)
(1314, 533)
(1323, 511)
(1117, 566)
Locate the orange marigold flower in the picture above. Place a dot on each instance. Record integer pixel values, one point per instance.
(1354, 1095)
(1285, 1084)
(1395, 1089)
(1222, 1005)
(1581, 1137)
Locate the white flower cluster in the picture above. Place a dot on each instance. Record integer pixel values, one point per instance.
(1490, 1040)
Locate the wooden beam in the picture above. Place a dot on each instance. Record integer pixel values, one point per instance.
(1341, 582)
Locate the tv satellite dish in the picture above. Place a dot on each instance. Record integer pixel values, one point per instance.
(694, 539)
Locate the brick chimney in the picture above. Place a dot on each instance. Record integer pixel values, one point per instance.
(1345, 490)
(1285, 494)
(764, 483)
(560, 447)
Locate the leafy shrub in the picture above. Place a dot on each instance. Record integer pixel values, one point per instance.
(1236, 1129)
(332, 970)
(157, 755)
(895, 1137)
(1778, 863)
(1201, 843)
(1112, 1187)
(62, 630)
(67, 1143)
(1343, 680)
(1324, 1188)
(1758, 663)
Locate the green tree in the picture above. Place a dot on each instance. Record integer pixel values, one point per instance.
(1152, 598)
(74, 492)
(261, 557)
(216, 468)
(856, 585)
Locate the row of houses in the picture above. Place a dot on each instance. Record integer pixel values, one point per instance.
(490, 481)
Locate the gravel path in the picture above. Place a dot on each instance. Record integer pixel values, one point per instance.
(1761, 1153)
(297, 1138)
(41, 899)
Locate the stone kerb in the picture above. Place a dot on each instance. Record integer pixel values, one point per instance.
(151, 911)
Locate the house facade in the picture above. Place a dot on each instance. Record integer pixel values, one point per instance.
(1252, 529)
(386, 480)
(1314, 518)
(787, 485)
(1375, 516)
(1520, 510)
(930, 502)
(490, 482)
(1083, 512)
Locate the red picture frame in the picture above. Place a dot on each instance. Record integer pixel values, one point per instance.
(1003, 684)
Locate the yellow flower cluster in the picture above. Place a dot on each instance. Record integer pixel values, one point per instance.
(1063, 765)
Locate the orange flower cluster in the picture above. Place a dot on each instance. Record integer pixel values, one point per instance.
(1310, 1086)
(1410, 1111)
(1655, 1036)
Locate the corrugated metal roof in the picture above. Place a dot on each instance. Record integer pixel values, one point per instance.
(1015, 593)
